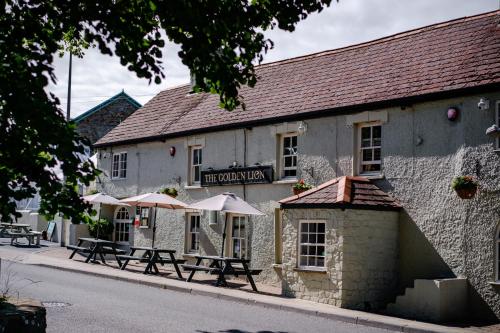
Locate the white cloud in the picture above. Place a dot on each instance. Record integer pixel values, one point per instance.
(98, 77)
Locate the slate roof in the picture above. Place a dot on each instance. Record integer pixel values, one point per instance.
(343, 192)
(121, 95)
(430, 62)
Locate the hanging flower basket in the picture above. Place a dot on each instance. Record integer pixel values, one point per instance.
(169, 191)
(465, 186)
(301, 186)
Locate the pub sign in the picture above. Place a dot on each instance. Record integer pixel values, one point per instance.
(262, 174)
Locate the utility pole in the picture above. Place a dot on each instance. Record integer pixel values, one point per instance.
(68, 118)
(68, 108)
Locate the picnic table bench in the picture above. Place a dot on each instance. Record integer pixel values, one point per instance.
(222, 266)
(18, 230)
(95, 247)
(152, 256)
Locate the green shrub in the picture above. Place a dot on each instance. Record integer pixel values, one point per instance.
(104, 226)
(463, 183)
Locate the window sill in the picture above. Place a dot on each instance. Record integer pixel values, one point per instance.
(310, 269)
(190, 255)
(372, 175)
(193, 187)
(113, 179)
(143, 227)
(286, 181)
(494, 283)
(277, 266)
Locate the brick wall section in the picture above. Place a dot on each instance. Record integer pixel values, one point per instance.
(101, 122)
(361, 258)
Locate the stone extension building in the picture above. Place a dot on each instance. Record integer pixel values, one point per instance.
(98, 121)
(401, 116)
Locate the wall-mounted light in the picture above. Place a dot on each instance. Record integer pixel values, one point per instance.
(452, 113)
(172, 151)
(483, 104)
(493, 131)
(302, 129)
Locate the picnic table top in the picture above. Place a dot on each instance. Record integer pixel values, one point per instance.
(15, 225)
(154, 249)
(219, 258)
(94, 240)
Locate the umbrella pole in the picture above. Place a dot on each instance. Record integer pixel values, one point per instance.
(98, 221)
(224, 235)
(154, 226)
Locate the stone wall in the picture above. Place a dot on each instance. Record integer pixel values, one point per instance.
(361, 258)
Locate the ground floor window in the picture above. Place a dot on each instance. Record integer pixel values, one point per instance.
(122, 232)
(312, 244)
(239, 236)
(122, 225)
(144, 214)
(193, 232)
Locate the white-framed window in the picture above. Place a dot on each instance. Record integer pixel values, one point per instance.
(239, 236)
(122, 225)
(119, 166)
(288, 155)
(144, 214)
(497, 257)
(497, 121)
(312, 241)
(193, 233)
(195, 162)
(370, 148)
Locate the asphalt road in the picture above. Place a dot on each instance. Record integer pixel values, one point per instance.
(105, 305)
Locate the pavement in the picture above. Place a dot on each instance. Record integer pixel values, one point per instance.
(268, 297)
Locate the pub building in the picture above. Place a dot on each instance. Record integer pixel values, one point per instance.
(380, 129)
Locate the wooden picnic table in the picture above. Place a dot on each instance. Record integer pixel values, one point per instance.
(95, 247)
(152, 256)
(19, 230)
(222, 266)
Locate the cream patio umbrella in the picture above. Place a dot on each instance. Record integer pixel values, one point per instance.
(156, 200)
(101, 198)
(228, 203)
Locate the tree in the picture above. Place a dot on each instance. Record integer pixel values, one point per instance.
(220, 41)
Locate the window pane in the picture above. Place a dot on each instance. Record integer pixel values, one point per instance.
(312, 250)
(321, 227)
(303, 250)
(294, 141)
(365, 133)
(367, 155)
(303, 238)
(286, 142)
(376, 154)
(196, 173)
(304, 227)
(377, 132)
(312, 227)
(312, 238)
(303, 261)
(320, 261)
(290, 173)
(321, 238)
(321, 250)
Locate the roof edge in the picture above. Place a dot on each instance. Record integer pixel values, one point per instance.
(340, 206)
(101, 105)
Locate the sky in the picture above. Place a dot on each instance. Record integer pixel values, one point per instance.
(97, 77)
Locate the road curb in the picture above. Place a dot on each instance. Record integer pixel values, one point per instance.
(408, 327)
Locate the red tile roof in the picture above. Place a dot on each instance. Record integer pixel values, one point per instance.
(442, 58)
(343, 192)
